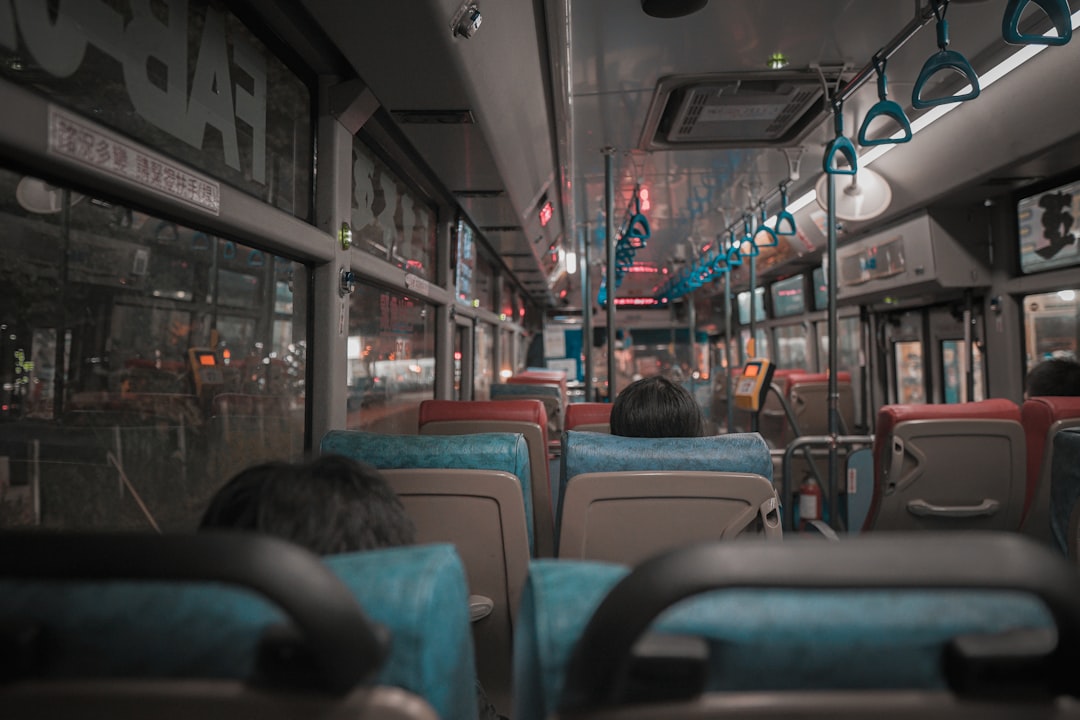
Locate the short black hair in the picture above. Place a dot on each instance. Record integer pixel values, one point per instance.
(332, 504)
(1057, 376)
(656, 407)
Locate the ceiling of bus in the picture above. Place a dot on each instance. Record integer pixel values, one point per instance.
(550, 83)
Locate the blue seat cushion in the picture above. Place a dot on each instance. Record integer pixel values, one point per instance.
(207, 630)
(506, 452)
(590, 452)
(1064, 483)
(762, 640)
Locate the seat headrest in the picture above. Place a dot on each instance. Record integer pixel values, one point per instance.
(507, 452)
(760, 639)
(526, 390)
(588, 413)
(586, 452)
(421, 594)
(889, 416)
(526, 410)
(195, 628)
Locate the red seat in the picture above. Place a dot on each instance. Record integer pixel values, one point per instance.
(528, 417)
(1042, 417)
(948, 466)
(589, 416)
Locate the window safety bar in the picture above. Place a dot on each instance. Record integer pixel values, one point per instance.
(943, 59)
(884, 107)
(1056, 10)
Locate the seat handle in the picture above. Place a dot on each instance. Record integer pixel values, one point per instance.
(597, 674)
(1056, 10)
(921, 508)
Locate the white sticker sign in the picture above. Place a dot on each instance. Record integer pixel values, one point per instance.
(95, 146)
(554, 342)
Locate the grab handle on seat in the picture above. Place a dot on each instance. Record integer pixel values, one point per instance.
(922, 508)
(597, 674)
(1056, 10)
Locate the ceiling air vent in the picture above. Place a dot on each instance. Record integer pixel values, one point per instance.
(716, 110)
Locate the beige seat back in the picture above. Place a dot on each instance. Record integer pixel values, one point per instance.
(466, 417)
(949, 467)
(630, 516)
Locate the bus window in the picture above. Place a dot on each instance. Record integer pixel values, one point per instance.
(954, 372)
(761, 341)
(910, 374)
(1050, 326)
(791, 346)
(126, 339)
(397, 368)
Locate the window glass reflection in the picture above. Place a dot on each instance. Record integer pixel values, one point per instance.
(391, 359)
(388, 220)
(142, 362)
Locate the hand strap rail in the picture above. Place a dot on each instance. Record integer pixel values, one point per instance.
(1056, 10)
(597, 673)
(943, 59)
(884, 108)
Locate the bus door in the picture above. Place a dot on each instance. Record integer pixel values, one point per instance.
(949, 356)
(463, 357)
(902, 341)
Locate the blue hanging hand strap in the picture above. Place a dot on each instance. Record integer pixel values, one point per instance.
(748, 239)
(785, 221)
(1056, 10)
(943, 59)
(884, 108)
(770, 238)
(734, 257)
(841, 145)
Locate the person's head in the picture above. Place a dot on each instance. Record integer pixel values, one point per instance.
(1054, 377)
(656, 407)
(329, 505)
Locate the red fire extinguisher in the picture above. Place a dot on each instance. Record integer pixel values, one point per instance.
(809, 501)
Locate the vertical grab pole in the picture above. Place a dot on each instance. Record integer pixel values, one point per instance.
(752, 344)
(609, 242)
(727, 353)
(586, 314)
(834, 393)
(969, 349)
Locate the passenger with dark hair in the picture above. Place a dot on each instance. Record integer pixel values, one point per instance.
(1057, 376)
(329, 505)
(656, 407)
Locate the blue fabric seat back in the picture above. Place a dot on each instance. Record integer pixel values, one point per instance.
(507, 452)
(765, 640)
(1064, 483)
(589, 452)
(128, 629)
(550, 395)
